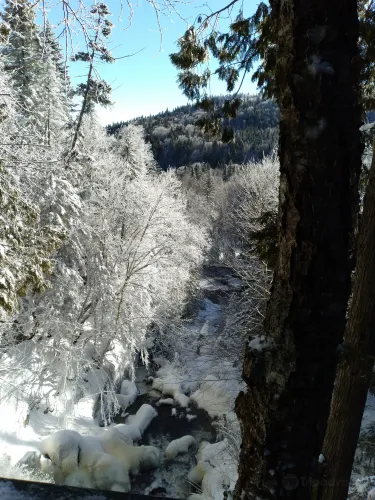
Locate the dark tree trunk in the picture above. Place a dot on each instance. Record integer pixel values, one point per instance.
(285, 409)
(356, 363)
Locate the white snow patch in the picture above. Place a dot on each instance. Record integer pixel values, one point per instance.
(258, 343)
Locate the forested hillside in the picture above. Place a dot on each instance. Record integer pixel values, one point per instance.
(177, 141)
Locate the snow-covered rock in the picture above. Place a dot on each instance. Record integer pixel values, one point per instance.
(178, 446)
(103, 461)
(62, 448)
(142, 418)
(129, 388)
(99, 470)
(133, 458)
(127, 433)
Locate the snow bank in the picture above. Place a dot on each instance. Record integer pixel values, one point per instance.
(215, 472)
(213, 397)
(142, 418)
(178, 446)
(33, 467)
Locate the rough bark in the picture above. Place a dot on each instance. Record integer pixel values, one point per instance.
(356, 362)
(285, 409)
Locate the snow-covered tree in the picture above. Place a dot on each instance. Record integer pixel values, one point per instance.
(146, 241)
(33, 61)
(137, 154)
(53, 85)
(126, 264)
(94, 90)
(25, 246)
(26, 239)
(22, 54)
(51, 44)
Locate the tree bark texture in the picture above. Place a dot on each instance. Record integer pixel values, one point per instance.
(356, 362)
(284, 411)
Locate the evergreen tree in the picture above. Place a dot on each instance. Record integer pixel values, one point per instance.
(131, 146)
(22, 56)
(50, 42)
(27, 236)
(54, 108)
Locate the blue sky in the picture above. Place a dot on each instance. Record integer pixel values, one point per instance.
(146, 83)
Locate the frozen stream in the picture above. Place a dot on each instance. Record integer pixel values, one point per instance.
(174, 421)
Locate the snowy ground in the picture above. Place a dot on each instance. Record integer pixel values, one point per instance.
(193, 393)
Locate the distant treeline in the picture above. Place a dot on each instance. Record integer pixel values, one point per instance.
(176, 141)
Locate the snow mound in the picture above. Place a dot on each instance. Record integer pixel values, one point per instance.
(62, 448)
(99, 470)
(213, 397)
(179, 446)
(142, 418)
(102, 462)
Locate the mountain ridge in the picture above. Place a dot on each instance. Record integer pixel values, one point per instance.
(176, 141)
